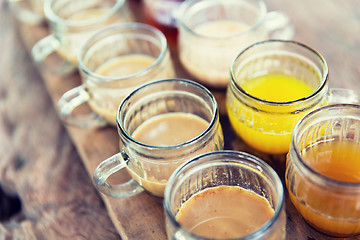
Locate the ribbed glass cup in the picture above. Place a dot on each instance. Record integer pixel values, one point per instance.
(225, 168)
(329, 205)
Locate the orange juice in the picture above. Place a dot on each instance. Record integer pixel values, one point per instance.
(277, 87)
(267, 127)
(331, 210)
(339, 160)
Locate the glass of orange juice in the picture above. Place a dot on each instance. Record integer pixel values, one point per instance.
(323, 169)
(273, 84)
(225, 195)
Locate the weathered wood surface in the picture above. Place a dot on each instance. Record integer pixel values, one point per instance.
(38, 161)
(40, 164)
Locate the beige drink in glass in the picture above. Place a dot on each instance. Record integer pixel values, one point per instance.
(161, 125)
(168, 129)
(72, 23)
(222, 30)
(121, 66)
(225, 195)
(224, 212)
(212, 32)
(113, 63)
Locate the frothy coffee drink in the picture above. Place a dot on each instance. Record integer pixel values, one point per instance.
(87, 14)
(109, 99)
(74, 40)
(221, 28)
(224, 212)
(170, 129)
(209, 60)
(165, 130)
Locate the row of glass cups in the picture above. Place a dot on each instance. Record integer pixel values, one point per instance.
(181, 172)
(135, 156)
(203, 25)
(72, 23)
(135, 38)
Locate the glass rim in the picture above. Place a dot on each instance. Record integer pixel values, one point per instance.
(186, 5)
(118, 28)
(210, 126)
(232, 156)
(239, 89)
(54, 18)
(299, 160)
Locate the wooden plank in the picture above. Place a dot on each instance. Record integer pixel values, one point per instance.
(330, 27)
(39, 163)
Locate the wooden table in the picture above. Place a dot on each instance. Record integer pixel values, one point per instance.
(49, 166)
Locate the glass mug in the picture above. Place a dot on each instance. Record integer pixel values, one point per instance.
(246, 176)
(162, 15)
(295, 79)
(112, 63)
(28, 11)
(72, 22)
(212, 32)
(323, 169)
(150, 163)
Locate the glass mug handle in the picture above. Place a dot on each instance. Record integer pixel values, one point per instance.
(106, 169)
(279, 25)
(43, 48)
(73, 99)
(342, 95)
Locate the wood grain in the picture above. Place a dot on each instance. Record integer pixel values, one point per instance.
(54, 183)
(39, 163)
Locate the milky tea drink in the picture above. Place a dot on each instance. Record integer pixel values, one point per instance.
(72, 23)
(70, 50)
(212, 32)
(225, 195)
(168, 129)
(224, 212)
(114, 62)
(161, 125)
(196, 59)
(126, 65)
